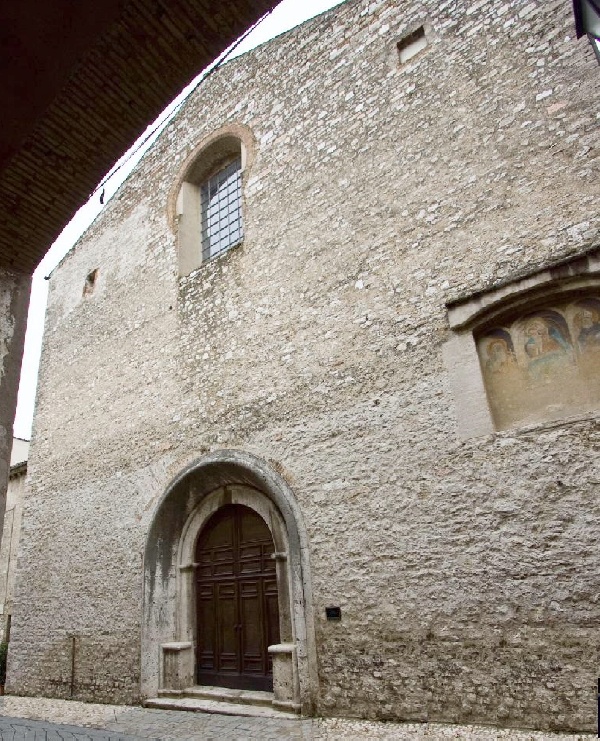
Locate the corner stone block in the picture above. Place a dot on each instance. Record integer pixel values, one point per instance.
(178, 666)
(283, 675)
(471, 407)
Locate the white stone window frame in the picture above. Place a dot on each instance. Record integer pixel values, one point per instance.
(209, 157)
(469, 316)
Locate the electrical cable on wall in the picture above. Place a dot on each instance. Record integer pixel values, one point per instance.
(215, 66)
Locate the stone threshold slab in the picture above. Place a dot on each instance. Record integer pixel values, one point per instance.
(202, 705)
(225, 694)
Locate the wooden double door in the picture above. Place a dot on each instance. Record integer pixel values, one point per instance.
(237, 605)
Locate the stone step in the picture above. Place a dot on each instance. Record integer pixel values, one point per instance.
(202, 705)
(224, 694)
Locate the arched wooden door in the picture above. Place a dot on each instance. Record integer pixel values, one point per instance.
(236, 594)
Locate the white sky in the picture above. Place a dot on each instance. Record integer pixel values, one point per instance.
(286, 15)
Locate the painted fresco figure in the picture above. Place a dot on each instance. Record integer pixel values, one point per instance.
(589, 333)
(500, 357)
(545, 347)
(503, 379)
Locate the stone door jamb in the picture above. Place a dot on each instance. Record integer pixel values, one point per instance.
(286, 684)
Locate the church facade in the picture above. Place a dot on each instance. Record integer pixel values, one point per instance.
(318, 410)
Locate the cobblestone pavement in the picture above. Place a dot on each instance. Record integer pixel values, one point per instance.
(121, 723)
(24, 729)
(43, 719)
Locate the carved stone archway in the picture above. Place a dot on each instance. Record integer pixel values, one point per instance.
(169, 627)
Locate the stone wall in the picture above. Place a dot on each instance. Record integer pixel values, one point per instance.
(14, 298)
(465, 569)
(11, 532)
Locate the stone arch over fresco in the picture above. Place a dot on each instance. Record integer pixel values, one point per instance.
(169, 627)
(527, 352)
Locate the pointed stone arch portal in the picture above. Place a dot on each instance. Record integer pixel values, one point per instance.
(227, 597)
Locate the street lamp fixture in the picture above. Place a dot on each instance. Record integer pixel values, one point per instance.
(587, 22)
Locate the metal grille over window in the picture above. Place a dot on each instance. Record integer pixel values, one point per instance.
(222, 210)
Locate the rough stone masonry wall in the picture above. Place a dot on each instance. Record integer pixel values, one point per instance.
(466, 571)
(14, 298)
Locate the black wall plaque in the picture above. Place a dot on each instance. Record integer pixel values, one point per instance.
(333, 613)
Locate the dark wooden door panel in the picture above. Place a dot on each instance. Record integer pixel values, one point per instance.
(250, 559)
(206, 618)
(227, 655)
(238, 615)
(251, 619)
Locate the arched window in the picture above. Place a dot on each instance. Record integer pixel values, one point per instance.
(208, 208)
(221, 210)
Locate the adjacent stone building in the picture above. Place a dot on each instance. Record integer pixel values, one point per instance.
(318, 405)
(11, 532)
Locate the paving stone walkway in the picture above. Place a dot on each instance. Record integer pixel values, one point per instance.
(89, 722)
(44, 719)
(23, 729)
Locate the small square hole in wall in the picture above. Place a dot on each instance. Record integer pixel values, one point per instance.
(90, 282)
(412, 44)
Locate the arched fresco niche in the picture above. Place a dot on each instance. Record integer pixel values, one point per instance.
(543, 364)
